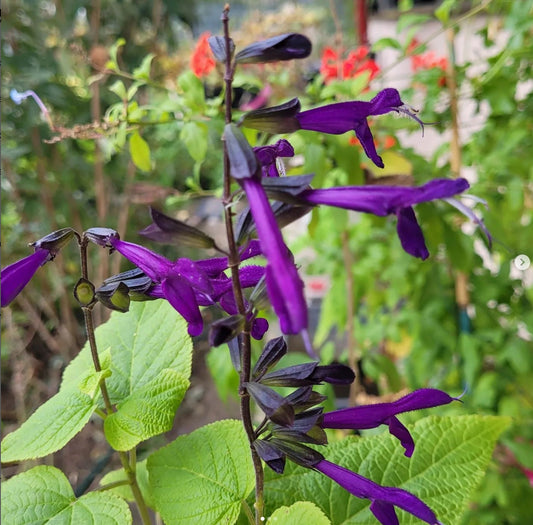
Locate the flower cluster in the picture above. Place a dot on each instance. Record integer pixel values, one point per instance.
(427, 60)
(202, 60)
(294, 422)
(333, 66)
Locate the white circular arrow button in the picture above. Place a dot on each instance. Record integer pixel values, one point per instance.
(522, 262)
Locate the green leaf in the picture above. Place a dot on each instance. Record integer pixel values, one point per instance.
(193, 91)
(300, 512)
(149, 411)
(194, 136)
(50, 427)
(384, 43)
(113, 52)
(140, 152)
(143, 71)
(409, 20)
(443, 11)
(143, 342)
(450, 458)
(119, 89)
(204, 476)
(44, 495)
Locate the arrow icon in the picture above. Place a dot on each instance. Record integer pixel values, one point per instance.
(522, 262)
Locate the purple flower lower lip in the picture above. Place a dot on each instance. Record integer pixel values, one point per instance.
(383, 499)
(386, 200)
(371, 416)
(17, 275)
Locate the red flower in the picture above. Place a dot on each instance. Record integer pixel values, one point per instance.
(427, 60)
(334, 67)
(202, 59)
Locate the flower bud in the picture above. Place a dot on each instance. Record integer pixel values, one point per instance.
(84, 292)
(53, 242)
(282, 47)
(218, 47)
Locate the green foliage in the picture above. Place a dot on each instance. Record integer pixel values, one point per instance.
(204, 476)
(297, 513)
(450, 458)
(44, 495)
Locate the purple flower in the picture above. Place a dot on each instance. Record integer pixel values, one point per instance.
(346, 116)
(383, 499)
(388, 200)
(284, 286)
(268, 155)
(187, 284)
(372, 416)
(17, 275)
(334, 118)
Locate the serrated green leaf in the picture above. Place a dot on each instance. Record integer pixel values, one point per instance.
(204, 476)
(146, 340)
(449, 461)
(35, 496)
(50, 427)
(298, 513)
(44, 495)
(102, 508)
(140, 152)
(148, 412)
(194, 136)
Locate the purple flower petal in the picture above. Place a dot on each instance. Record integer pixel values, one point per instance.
(152, 264)
(180, 295)
(259, 328)
(385, 200)
(17, 275)
(267, 156)
(383, 498)
(284, 286)
(371, 416)
(410, 234)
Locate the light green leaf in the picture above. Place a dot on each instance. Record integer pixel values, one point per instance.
(113, 52)
(384, 43)
(194, 136)
(193, 91)
(44, 495)
(143, 71)
(443, 11)
(50, 427)
(119, 89)
(140, 152)
(204, 476)
(146, 340)
(149, 411)
(298, 513)
(410, 19)
(449, 461)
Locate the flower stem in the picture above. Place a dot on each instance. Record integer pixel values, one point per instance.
(233, 259)
(89, 328)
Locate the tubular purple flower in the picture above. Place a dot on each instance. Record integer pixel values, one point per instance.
(372, 416)
(284, 286)
(268, 155)
(346, 116)
(17, 275)
(383, 499)
(388, 200)
(187, 284)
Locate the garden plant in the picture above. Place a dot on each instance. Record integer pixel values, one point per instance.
(295, 456)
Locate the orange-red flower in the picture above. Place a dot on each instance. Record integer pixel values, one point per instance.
(333, 66)
(202, 59)
(427, 60)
